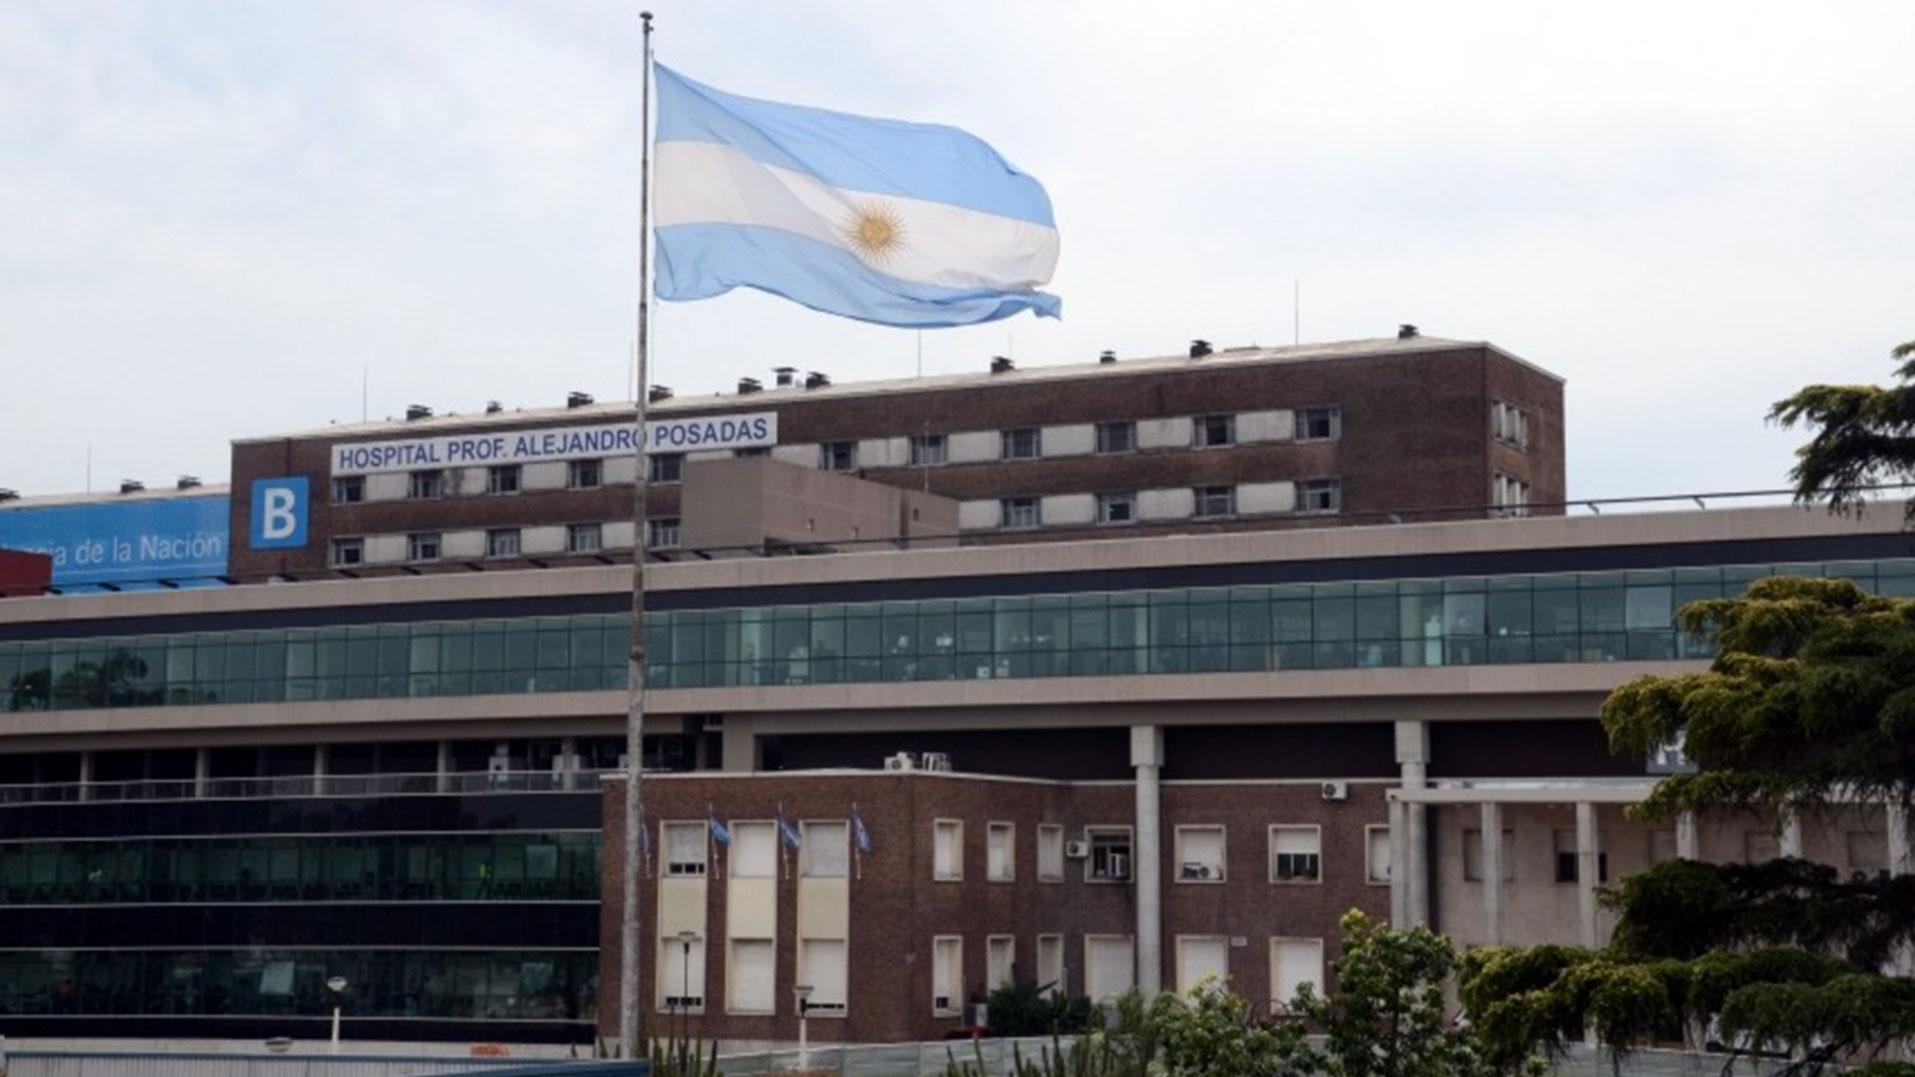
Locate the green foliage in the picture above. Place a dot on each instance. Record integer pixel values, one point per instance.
(1027, 1010)
(1211, 1033)
(1861, 435)
(681, 1056)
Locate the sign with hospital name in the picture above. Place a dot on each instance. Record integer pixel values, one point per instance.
(554, 443)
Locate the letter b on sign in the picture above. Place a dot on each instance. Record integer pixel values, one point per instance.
(279, 513)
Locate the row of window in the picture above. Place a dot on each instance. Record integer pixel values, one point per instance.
(500, 479)
(1027, 443)
(1294, 853)
(580, 539)
(1509, 424)
(1866, 853)
(1509, 493)
(1208, 502)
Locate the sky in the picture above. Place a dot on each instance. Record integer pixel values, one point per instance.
(230, 219)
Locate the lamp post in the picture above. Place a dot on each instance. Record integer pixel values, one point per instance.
(685, 940)
(338, 987)
(802, 994)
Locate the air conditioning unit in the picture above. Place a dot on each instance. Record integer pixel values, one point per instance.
(1076, 850)
(1336, 790)
(937, 761)
(901, 761)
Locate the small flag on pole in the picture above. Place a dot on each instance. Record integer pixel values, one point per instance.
(788, 830)
(719, 833)
(860, 837)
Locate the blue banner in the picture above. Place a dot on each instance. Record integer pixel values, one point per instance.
(125, 542)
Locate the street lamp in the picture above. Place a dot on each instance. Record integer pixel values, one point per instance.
(685, 940)
(802, 994)
(338, 987)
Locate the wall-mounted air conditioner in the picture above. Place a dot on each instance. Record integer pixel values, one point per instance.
(1336, 790)
(1076, 850)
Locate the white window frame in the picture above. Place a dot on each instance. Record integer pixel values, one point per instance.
(1335, 415)
(805, 827)
(815, 1010)
(1059, 986)
(731, 976)
(827, 457)
(1090, 859)
(1197, 497)
(1101, 444)
(1335, 488)
(930, 450)
(1278, 1003)
(1009, 830)
(1369, 833)
(1223, 848)
(1007, 441)
(425, 484)
(1047, 831)
(954, 1002)
(1177, 959)
(666, 865)
(1010, 972)
(575, 537)
(1109, 498)
(495, 533)
(1202, 441)
(1271, 853)
(353, 543)
(664, 468)
(664, 532)
(494, 480)
(1036, 520)
(736, 826)
(956, 872)
(343, 483)
(676, 950)
(578, 471)
(415, 540)
(1092, 939)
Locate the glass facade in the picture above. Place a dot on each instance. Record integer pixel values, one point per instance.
(1473, 620)
(302, 868)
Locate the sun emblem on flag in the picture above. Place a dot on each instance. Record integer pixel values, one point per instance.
(876, 231)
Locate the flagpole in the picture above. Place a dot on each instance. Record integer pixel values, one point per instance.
(628, 1001)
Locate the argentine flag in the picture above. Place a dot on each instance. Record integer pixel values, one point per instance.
(897, 223)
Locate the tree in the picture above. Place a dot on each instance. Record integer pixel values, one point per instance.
(1863, 435)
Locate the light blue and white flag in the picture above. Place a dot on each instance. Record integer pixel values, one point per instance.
(897, 223)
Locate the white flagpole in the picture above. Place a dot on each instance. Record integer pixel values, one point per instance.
(628, 1002)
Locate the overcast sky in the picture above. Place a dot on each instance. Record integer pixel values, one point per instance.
(215, 216)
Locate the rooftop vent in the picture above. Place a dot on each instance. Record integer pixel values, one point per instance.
(817, 379)
(1199, 349)
(1001, 364)
(493, 407)
(576, 399)
(1406, 331)
(415, 412)
(131, 486)
(658, 393)
(785, 375)
(187, 482)
(748, 385)
(1107, 356)
(8, 493)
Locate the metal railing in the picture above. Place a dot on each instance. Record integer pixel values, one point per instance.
(307, 785)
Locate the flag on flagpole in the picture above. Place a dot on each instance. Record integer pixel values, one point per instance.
(645, 843)
(719, 832)
(860, 837)
(904, 224)
(788, 838)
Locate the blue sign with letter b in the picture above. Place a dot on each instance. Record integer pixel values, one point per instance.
(279, 513)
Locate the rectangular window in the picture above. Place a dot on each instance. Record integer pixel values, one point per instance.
(1293, 963)
(751, 451)
(1109, 859)
(1320, 495)
(1050, 853)
(838, 455)
(1050, 965)
(684, 845)
(665, 467)
(348, 489)
(1566, 869)
(1118, 508)
(1216, 430)
(753, 853)
(584, 474)
(1216, 501)
(502, 542)
(502, 479)
(753, 976)
(821, 963)
(1000, 852)
(824, 850)
(1109, 967)
(1319, 424)
(1200, 958)
(1376, 855)
(947, 850)
(1199, 854)
(584, 538)
(928, 449)
(347, 552)
(947, 975)
(1867, 853)
(1116, 437)
(424, 546)
(1473, 856)
(681, 975)
(425, 484)
(1000, 961)
(1296, 854)
(1020, 512)
(662, 533)
(1509, 424)
(1024, 444)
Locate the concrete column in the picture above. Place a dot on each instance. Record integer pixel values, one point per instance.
(442, 768)
(321, 760)
(1900, 862)
(86, 775)
(1413, 761)
(1789, 842)
(1399, 870)
(568, 762)
(1688, 837)
(737, 746)
(1147, 757)
(1492, 873)
(202, 771)
(1588, 873)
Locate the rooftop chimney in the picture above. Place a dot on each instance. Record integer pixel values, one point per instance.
(576, 399)
(415, 412)
(1107, 356)
(187, 482)
(131, 486)
(1406, 331)
(1001, 364)
(784, 375)
(748, 385)
(817, 379)
(493, 407)
(658, 393)
(1199, 349)
(8, 493)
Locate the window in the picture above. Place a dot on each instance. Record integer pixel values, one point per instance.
(753, 853)
(584, 538)
(1200, 957)
(1050, 965)
(425, 484)
(947, 849)
(1000, 852)
(929, 449)
(1024, 444)
(838, 455)
(821, 963)
(1050, 853)
(1867, 854)
(502, 479)
(753, 976)
(1566, 869)
(1509, 424)
(662, 533)
(1319, 424)
(1216, 501)
(1320, 495)
(1000, 961)
(1020, 512)
(502, 542)
(1293, 963)
(1376, 855)
(584, 474)
(1296, 854)
(1116, 437)
(750, 451)
(347, 552)
(665, 467)
(1473, 856)
(1117, 508)
(1109, 967)
(1199, 854)
(423, 546)
(947, 975)
(1509, 493)
(824, 850)
(681, 975)
(348, 489)
(684, 848)
(1215, 430)
(1109, 860)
